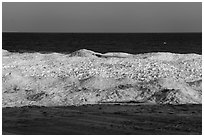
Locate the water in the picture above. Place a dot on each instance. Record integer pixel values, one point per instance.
(103, 42)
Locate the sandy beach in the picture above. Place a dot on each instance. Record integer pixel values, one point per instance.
(104, 120)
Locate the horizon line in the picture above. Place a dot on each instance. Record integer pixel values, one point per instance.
(93, 32)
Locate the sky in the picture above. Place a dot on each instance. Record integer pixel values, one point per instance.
(102, 17)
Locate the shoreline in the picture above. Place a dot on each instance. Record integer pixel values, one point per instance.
(86, 92)
(104, 120)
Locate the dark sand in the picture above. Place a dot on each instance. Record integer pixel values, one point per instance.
(103, 119)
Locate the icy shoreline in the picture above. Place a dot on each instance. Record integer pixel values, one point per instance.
(87, 77)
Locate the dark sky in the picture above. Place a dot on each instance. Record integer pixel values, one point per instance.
(102, 17)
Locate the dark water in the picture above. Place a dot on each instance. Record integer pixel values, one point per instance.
(103, 42)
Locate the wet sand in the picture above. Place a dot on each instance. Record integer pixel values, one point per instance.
(103, 119)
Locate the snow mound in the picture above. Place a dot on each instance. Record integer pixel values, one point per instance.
(172, 56)
(84, 53)
(5, 52)
(89, 53)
